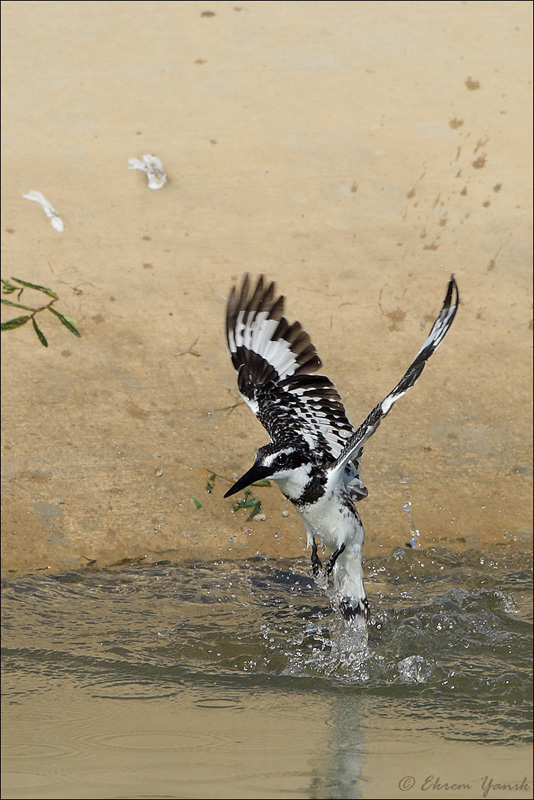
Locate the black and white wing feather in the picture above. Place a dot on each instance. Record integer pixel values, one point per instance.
(276, 364)
(354, 446)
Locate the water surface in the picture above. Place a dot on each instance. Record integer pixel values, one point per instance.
(235, 679)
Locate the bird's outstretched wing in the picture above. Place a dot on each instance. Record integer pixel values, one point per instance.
(354, 446)
(276, 364)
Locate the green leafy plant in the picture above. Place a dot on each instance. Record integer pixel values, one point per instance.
(16, 285)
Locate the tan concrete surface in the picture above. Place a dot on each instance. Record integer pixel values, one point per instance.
(357, 153)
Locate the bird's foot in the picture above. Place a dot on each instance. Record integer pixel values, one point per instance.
(333, 558)
(317, 565)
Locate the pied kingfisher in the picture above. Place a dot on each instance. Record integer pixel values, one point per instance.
(314, 454)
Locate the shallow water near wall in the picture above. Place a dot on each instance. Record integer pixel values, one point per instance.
(235, 679)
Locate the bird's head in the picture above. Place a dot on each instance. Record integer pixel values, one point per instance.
(273, 462)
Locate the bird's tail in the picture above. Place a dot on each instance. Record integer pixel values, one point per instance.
(348, 593)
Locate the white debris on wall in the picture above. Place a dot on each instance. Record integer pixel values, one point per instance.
(153, 168)
(49, 209)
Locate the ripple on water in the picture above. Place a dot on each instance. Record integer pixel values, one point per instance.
(450, 635)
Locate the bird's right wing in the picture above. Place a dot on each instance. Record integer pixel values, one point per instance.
(276, 364)
(354, 446)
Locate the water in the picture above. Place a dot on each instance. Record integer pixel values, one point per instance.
(234, 679)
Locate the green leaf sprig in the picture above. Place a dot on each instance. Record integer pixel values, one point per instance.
(249, 501)
(19, 286)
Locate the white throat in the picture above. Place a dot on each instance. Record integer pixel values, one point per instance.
(294, 481)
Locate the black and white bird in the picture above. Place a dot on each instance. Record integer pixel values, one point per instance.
(314, 454)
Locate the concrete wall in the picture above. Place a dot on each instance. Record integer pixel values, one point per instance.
(357, 153)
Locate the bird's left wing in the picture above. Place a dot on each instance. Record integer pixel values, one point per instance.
(354, 446)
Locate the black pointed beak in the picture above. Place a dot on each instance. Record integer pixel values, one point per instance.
(255, 473)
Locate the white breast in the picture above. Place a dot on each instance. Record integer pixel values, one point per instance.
(333, 522)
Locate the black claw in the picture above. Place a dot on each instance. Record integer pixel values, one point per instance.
(333, 558)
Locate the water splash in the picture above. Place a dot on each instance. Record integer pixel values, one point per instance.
(415, 669)
(407, 508)
(337, 648)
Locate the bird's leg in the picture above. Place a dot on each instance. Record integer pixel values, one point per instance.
(317, 566)
(316, 563)
(333, 558)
